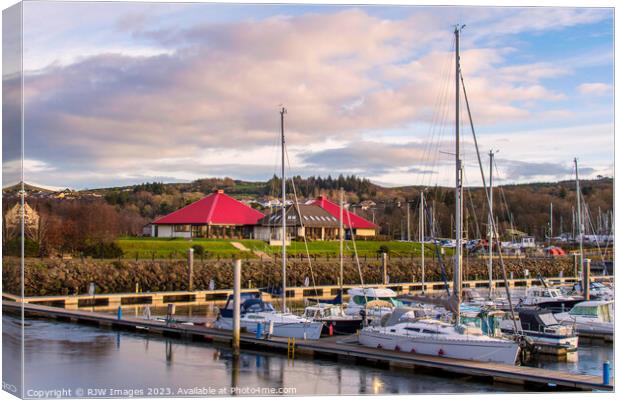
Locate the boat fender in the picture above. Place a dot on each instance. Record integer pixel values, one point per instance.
(379, 346)
(397, 348)
(440, 352)
(331, 329)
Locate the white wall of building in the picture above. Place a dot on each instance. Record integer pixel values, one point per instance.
(167, 231)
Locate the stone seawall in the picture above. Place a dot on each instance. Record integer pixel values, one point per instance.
(65, 277)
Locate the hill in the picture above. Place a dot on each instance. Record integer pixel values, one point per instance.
(78, 220)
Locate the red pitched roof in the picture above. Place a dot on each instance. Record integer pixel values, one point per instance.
(215, 209)
(334, 209)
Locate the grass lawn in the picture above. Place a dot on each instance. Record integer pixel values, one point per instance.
(177, 248)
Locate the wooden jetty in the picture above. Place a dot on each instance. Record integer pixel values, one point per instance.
(338, 347)
(204, 297)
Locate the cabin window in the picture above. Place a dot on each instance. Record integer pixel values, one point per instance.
(412, 329)
(590, 311)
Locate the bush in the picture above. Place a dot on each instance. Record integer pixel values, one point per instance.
(13, 248)
(199, 250)
(383, 249)
(103, 250)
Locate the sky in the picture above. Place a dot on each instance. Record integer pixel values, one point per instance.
(124, 93)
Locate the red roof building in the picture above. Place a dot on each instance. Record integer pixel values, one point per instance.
(216, 215)
(361, 226)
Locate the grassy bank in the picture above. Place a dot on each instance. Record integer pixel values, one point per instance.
(164, 248)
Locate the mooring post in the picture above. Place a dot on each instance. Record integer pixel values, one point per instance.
(384, 259)
(171, 309)
(586, 280)
(190, 263)
(575, 270)
(236, 308)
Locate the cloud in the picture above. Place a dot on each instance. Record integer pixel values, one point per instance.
(517, 170)
(510, 21)
(594, 89)
(371, 157)
(215, 88)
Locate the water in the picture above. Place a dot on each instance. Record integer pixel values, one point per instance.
(62, 355)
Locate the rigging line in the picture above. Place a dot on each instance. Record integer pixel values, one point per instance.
(471, 203)
(442, 119)
(504, 201)
(444, 275)
(430, 149)
(357, 260)
(270, 191)
(492, 221)
(436, 113)
(589, 219)
(301, 219)
(439, 127)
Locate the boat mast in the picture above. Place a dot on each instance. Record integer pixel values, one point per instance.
(409, 221)
(341, 244)
(550, 223)
(282, 112)
(490, 230)
(579, 223)
(422, 236)
(458, 258)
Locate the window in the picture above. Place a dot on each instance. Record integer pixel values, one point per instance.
(588, 311)
(359, 300)
(181, 228)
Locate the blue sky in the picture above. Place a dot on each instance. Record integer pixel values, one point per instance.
(121, 93)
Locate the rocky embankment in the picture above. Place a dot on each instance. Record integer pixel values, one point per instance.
(63, 277)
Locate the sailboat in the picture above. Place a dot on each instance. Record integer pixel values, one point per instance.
(255, 311)
(433, 337)
(333, 314)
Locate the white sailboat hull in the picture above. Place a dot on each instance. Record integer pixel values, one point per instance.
(477, 350)
(297, 330)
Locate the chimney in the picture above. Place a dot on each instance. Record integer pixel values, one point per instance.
(219, 191)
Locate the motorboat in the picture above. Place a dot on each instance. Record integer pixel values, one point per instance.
(334, 319)
(255, 311)
(543, 331)
(437, 338)
(548, 297)
(373, 303)
(473, 298)
(598, 291)
(593, 319)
